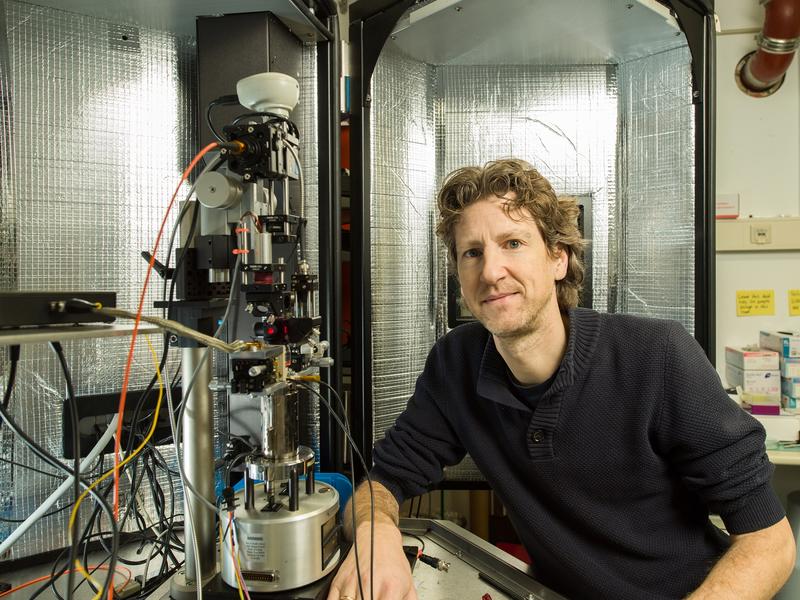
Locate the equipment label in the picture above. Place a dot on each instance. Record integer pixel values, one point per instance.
(255, 548)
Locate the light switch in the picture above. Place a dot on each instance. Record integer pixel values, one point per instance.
(761, 233)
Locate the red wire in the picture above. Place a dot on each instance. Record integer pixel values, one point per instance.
(126, 376)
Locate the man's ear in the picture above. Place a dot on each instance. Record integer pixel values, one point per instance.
(561, 263)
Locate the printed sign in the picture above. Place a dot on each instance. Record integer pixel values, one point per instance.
(751, 303)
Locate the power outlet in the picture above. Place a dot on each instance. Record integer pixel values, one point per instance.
(761, 234)
(95, 412)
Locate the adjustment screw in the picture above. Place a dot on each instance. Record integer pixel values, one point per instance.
(250, 130)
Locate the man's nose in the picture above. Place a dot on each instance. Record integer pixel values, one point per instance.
(493, 268)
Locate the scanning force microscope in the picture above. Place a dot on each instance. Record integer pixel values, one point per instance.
(280, 532)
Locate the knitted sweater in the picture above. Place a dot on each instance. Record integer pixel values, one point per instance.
(610, 479)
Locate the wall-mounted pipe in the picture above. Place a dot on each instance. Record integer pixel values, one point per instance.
(761, 73)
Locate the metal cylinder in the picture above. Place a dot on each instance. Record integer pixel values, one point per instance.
(249, 491)
(262, 248)
(219, 276)
(279, 422)
(294, 489)
(198, 465)
(309, 478)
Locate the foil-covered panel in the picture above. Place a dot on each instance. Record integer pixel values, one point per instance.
(656, 202)
(309, 413)
(101, 129)
(402, 207)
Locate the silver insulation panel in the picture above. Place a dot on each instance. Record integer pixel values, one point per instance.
(402, 220)
(572, 124)
(655, 259)
(309, 154)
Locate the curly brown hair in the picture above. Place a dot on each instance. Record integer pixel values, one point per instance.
(557, 218)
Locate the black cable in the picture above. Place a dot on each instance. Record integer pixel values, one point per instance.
(76, 450)
(272, 117)
(28, 467)
(221, 101)
(416, 537)
(13, 356)
(44, 516)
(53, 462)
(353, 449)
(419, 505)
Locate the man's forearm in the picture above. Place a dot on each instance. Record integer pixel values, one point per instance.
(756, 566)
(386, 507)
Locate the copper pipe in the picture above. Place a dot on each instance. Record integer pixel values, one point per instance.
(762, 72)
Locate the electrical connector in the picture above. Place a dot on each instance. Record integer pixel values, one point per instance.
(436, 563)
(229, 497)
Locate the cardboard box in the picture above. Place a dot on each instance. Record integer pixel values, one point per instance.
(785, 343)
(790, 367)
(752, 358)
(754, 382)
(783, 428)
(790, 386)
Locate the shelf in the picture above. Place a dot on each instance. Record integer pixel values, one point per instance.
(63, 333)
(784, 457)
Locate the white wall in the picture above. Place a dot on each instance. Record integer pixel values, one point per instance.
(758, 157)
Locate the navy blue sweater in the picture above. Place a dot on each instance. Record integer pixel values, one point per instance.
(610, 479)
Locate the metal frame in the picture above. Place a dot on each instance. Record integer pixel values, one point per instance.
(330, 232)
(367, 37)
(505, 572)
(369, 30)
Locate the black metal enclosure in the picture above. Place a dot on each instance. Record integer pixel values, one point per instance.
(432, 63)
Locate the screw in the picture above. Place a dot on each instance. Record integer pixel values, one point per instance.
(695, 94)
(173, 338)
(250, 130)
(458, 9)
(247, 176)
(212, 189)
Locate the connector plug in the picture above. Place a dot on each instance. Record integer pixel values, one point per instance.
(436, 563)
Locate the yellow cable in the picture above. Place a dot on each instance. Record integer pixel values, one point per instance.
(305, 378)
(236, 571)
(130, 457)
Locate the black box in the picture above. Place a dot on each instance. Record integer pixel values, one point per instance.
(21, 309)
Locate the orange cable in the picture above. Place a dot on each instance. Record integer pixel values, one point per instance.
(129, 362)
(120, 569)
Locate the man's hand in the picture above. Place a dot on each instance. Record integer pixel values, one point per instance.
(391, 577)
(391, 574)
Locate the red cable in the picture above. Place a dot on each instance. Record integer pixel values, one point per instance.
(126, 376)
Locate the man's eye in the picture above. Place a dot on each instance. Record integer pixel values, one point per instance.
(514, 244)
(471, 253)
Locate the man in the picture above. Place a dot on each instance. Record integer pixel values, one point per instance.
(608, 437)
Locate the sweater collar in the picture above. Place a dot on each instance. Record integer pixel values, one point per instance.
(584, 329)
